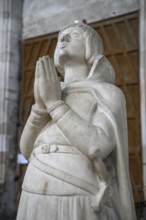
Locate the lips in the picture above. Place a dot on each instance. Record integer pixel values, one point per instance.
(63, 45)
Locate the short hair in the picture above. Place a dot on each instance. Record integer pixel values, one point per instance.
(93, 44)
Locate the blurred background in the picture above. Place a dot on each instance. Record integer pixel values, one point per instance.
(28, 30)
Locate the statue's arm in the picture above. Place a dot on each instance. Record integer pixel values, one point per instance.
(37, 118)
(33, 126)
(82, 134)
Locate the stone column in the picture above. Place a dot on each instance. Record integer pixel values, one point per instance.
(10, 35)
(142, 32)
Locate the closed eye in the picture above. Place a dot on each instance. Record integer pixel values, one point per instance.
(75, 34)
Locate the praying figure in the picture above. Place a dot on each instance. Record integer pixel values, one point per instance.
(76, 136)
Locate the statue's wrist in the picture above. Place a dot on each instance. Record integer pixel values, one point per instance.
(57, 109)
(38, 110)
(38, 116)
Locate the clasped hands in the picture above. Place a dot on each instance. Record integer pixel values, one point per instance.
(47, 88)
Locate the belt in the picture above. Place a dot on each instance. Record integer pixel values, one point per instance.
(55, 148)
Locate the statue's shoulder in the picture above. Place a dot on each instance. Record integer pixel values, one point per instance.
(111, 94)
(111, 90)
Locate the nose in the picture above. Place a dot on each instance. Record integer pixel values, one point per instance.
(65, 37)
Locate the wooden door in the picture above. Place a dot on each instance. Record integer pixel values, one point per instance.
(120, 38)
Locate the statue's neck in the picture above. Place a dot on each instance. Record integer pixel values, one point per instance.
(75, 72)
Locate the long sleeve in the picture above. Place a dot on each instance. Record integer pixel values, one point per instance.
(82, 134)
(36, 121)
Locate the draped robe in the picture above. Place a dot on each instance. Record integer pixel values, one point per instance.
(60, 181)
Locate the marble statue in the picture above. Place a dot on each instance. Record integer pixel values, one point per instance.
(76, 136)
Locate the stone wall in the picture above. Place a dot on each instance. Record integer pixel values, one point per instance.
(10, 36)
(143, 84)
(46, 16)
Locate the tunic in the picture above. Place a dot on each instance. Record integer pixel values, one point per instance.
(60, 182)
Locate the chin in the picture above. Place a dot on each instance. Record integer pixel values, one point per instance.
(64, 57)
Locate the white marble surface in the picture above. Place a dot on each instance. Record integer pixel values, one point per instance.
(76, 136)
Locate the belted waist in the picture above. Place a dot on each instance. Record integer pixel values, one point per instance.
(55, 148)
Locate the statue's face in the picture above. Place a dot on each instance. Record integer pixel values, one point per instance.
(71, 45)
